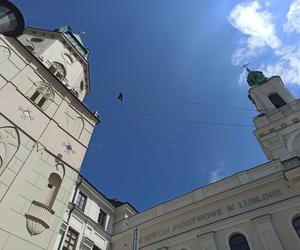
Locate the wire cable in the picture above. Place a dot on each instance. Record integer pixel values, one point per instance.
(153, 98)
(205, 123)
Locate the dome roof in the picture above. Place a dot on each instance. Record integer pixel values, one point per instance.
(256, 77)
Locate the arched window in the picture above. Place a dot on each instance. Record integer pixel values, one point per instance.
(277, 100)
(42, 96)
(58, 70)
(238, 242)
(296, 224)
(29, 48)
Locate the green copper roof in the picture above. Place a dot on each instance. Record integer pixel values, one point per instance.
(75, 39)
(256, 77)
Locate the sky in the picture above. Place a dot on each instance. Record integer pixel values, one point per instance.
(186, 120)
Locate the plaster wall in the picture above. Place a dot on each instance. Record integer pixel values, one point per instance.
(33, 145)
(51, 50)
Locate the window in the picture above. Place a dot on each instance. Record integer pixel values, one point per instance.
(81, 201)
(277, 101)
(102, 218)
(238, 242)
(81, 85)
(70, 240)
(296, 224)
(36, 40)
(58, 70)
(42, 95)
(29, 48)
(68, 58)
(96, 248)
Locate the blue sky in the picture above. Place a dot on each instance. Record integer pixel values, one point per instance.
(165, 56)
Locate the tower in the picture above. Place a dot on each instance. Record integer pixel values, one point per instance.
(44, 132)
(277, 125)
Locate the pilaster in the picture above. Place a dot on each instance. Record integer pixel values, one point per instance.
(267, 233)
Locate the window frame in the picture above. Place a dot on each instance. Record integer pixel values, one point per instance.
(296, 228)
(54, 70)
(96, 247)
(81, 206)
(279, 102)
(102, 220)
(40, 98)
(73, 232)
(245, 245)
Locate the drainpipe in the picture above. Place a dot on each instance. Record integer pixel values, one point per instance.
(136, 239)
(70, 211)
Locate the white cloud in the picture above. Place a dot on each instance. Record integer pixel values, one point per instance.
(269, 3)
(259, 32)
(287, 66)
(293, 18)
(220, 172)
(257, 25)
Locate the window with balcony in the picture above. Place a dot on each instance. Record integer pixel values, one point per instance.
(102, 218)
(81, 201)
(58, 70)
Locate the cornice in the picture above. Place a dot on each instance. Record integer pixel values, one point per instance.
(206, 201)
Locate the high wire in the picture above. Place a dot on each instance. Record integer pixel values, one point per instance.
(125, 95)
(205, 123)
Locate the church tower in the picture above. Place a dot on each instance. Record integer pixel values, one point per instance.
(277, 125)
(44, 133)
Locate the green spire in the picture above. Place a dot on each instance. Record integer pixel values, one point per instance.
(256, 77)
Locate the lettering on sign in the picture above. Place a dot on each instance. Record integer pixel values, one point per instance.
(213, 214)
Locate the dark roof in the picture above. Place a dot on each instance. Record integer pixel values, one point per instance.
(115, 202)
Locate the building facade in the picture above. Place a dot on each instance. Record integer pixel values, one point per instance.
(44, 133)
(90, 219)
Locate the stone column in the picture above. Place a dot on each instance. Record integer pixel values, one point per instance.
(267, 233)
(207, 241)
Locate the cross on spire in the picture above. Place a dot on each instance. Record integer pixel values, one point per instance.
(245, 66)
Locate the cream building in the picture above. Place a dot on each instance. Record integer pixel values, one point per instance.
(44, 133)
